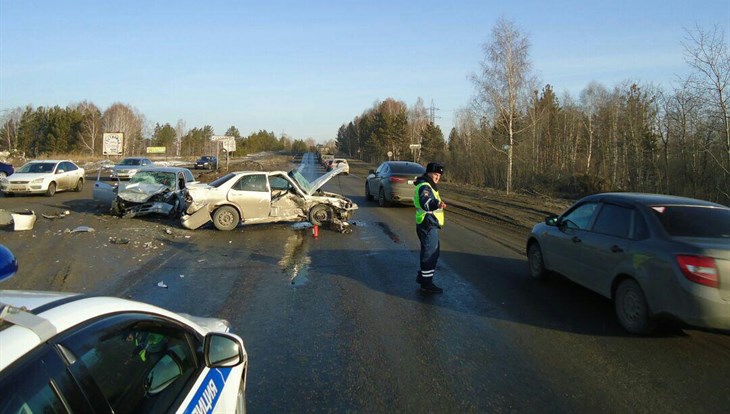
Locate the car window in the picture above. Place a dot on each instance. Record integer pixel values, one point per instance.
(188, 176)
(123, 353)
(380, 169)
(614, 220)
(68, 166)
(694, 221)
(220, 181)
(279, 183)
(580, 216)
(253, 182)
(415, 169)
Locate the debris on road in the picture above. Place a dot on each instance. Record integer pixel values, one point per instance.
(118, 240)
(162, 284)
(24, 220)
(80, 229)
(61, 214)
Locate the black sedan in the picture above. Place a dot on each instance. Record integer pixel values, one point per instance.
(206, 162)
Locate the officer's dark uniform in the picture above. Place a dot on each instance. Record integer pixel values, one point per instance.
(429, 219)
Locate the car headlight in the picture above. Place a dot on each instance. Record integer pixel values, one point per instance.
(4, 181)
(37, 181)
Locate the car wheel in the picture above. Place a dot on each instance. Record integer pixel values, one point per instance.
(381, 198)
(226, 218)
(631, 308)
(241, 398)
(368, 196)
(51, 189)
(536, 262)
(320, 214)
(79, 185)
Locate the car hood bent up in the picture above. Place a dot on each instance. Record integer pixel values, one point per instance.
(322, 180)
(141, 192)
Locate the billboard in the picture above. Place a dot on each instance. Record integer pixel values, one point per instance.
(113, 143)
(156, 150)
(228, 143)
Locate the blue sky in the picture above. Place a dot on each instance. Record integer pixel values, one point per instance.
(305, 68)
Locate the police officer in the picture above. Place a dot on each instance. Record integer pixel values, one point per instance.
(429, 219)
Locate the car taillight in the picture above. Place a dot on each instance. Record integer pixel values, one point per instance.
(699, 269)
(397, 180)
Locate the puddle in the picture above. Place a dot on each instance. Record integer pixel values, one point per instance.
(389, 232)
(295, 263)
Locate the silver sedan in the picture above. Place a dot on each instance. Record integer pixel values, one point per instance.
(653, 255)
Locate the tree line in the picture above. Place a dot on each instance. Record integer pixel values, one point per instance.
(79, 129)
(515, 135)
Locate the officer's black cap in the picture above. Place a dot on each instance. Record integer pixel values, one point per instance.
(435, 167)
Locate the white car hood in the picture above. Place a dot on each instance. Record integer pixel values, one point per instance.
(319, 182)
(141, 192)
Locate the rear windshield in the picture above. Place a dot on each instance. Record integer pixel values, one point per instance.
(694, 221)
(407, 169)
(131, 161)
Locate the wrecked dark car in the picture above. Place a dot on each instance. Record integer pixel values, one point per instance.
(251, 197)
(152, 190)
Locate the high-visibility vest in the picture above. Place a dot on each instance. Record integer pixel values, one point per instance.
(420, 212)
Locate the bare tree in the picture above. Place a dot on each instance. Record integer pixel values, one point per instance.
(706, 52)
(503, 84)
(179, 134)
(90, 126)
(9, 129)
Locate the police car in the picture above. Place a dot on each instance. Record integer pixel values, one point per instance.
(64, 352)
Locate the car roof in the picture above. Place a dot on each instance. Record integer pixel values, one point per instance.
(47, 314)
(163, 169)
(652, 199)
(54, 161)
(136, 158)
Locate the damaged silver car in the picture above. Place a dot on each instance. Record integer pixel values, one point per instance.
(251, 197)
(159, 190)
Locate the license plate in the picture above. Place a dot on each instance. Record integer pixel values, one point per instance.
(17, 187)
(410, 181)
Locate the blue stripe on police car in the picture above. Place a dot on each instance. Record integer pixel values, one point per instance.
(207, 395)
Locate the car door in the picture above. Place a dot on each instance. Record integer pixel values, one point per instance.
(136, 362)
(606, 247)
(562, 244)
(39, 383)
(70, 175)
(252, 195)
(380, 174)
(105, 186)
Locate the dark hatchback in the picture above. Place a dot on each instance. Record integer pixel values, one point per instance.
(206, 162)
(5, 169)
(653, 255)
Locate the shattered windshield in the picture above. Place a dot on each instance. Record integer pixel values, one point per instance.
(299, 178)
(154, 177)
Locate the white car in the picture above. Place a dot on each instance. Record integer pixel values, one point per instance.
(44, 177)
(340, 163)
(64, 352)
(130, 166)
(251, 197)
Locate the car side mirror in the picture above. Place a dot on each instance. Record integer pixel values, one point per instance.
(222, 350)
(371, 172)
(551, 220)
(60, 170)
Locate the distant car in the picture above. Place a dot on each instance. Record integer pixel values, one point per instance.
(5, 169)
(653, 255)
(339, 162)
(392, 182)
(251, 197)
(130, 165)
(159, 190)
(64, 352)
(207, 162)
(44, 177)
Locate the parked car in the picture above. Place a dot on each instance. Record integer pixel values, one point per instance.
(251, 197)
(653, 255)
(5, 169)
(130, 165)
(64, 352)
(392, 182)
(159, 190)
(339, 162)
(44, 177)
(207, 162)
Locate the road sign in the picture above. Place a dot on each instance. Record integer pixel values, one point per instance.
(228, 142)
(415, 146)
(113, 143)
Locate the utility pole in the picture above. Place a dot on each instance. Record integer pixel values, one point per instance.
(432, 113)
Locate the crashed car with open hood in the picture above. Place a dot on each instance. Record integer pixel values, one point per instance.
(159, 190)
(251, 197)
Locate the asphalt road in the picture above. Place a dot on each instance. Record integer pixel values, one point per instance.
(336, 323)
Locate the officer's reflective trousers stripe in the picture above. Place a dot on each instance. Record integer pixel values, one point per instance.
(430, 248)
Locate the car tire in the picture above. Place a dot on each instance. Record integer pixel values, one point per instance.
(226, 218)
(79, 185)
(241, 398)
(320, 214)
(536, 262)
(51, 189)
(368, 196)
(631, 308)
(382, 202)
